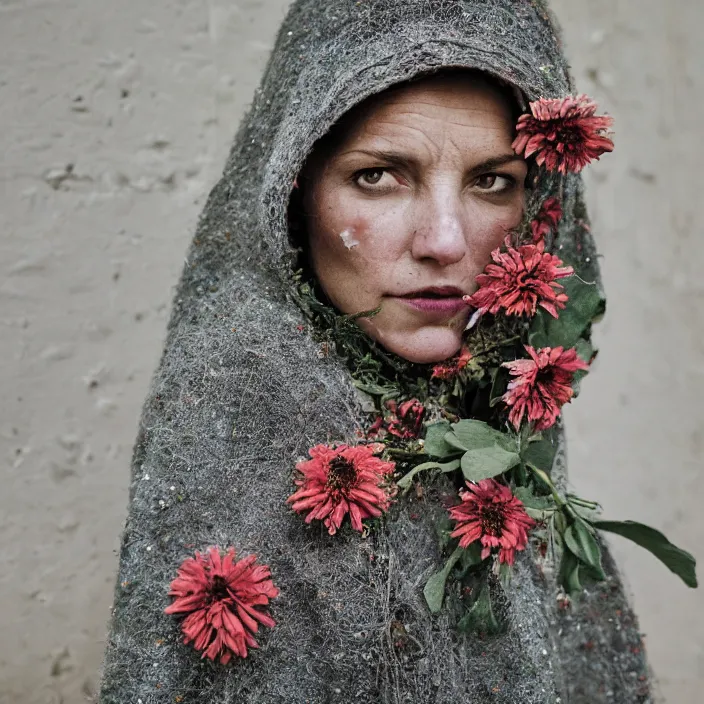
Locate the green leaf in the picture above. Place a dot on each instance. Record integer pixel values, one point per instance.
(537, 335)
(569, 573)
(583, 544)
(540, 454)
(530, 500)
(560, 524)
(471, 434)
(370, 388)
(435, 445)
(505, 575)
(520, 475)
(443, 528)
(538, 514)
(538, 507)
(434, 590)
(588, 575)
(480, 617)
(677, 560)
(487, 462)
(585, 510)
(586, 302)
(499, 383)
(406, 480)
(472, 556)
(453, 441)
(542, 476)
(585, 351)
(488, 452)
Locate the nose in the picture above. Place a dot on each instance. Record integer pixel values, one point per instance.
(440, 232)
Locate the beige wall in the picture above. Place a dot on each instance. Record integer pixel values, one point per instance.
(142, 99)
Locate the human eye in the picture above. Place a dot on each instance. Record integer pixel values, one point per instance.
(374, 179)
(495, 183)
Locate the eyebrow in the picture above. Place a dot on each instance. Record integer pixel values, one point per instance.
(496, 161)
(400, 159)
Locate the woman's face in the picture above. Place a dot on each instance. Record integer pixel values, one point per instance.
(405, 210)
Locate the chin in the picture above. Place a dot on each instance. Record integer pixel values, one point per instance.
(424, 346)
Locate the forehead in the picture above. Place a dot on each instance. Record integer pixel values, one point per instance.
(462, 104)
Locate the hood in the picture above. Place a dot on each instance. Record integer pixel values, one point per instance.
(243, 391)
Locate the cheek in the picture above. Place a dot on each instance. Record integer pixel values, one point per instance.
(487, 229)
(357, 235)
(358, 253)
(514, 215)
(344, 255)
(364, 251)
(496, 223)
(380, 237)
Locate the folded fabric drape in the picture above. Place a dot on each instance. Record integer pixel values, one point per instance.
(243, 391)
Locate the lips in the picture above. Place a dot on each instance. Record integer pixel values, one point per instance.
(435, 292)
(437, 301)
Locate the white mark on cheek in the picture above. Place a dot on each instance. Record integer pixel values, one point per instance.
(347, 237)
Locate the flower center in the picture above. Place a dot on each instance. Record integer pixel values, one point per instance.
(493, 520)
(568, 132)
(544, 376)
(342, 474)
(410, 420)
(218, 588)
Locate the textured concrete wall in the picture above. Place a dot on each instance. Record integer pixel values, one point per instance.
(114, 121)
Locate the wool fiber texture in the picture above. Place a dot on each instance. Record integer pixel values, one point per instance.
(242, 392)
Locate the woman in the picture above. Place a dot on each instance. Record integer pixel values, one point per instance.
(376, 173)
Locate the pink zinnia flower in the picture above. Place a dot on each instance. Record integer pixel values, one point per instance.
(548, 216)
(542, 385)
(490, 513)
(519, 281)
(375, 429)
(219, 596)
(403, 421)
(342, 480)
(406, 420)
(563, 133)
(452, 367)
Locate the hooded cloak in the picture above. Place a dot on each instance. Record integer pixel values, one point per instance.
(243, 391)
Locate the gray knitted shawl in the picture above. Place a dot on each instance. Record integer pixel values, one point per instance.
(243, 391)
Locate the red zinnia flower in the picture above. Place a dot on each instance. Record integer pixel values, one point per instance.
(542, 385)
(452, 367)
(342, 480)
(219, 596)
(519, 280)
(563, 133)
(374, 429)
(489, 512)
(406, 421)
(548, 216)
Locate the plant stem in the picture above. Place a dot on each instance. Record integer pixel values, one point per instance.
(562, 503)
(573, 499)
